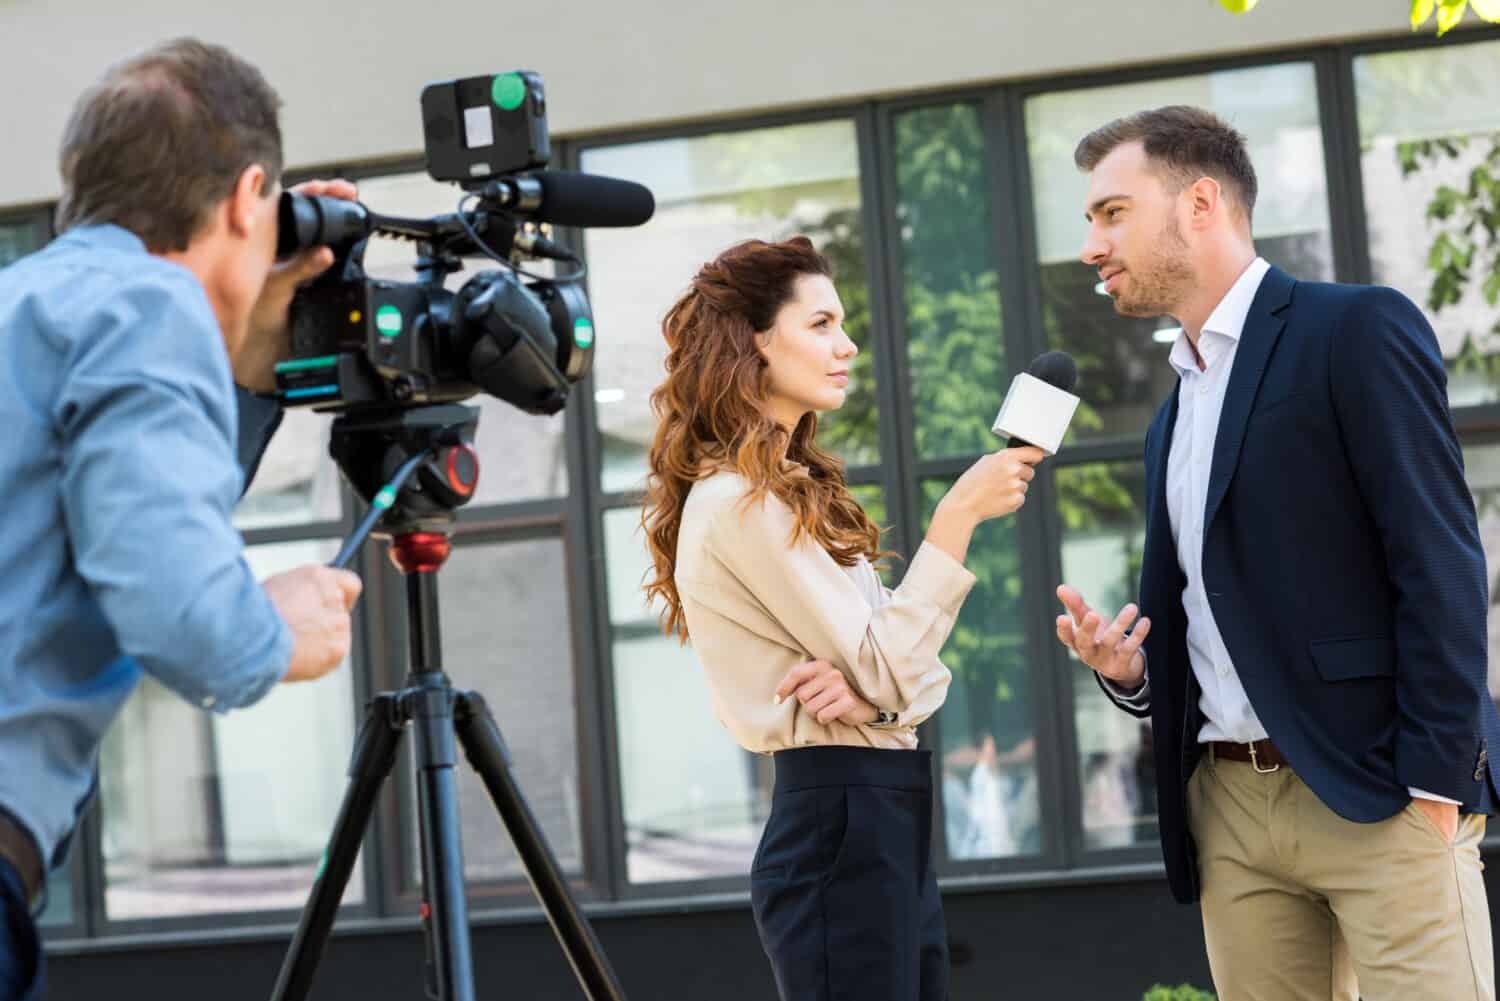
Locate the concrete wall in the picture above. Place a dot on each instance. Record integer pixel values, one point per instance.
(351, 73)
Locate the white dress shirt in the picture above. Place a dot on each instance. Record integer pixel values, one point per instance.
(1227, 713)
(1226, 708)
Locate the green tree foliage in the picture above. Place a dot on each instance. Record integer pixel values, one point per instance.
(1182, 992)
(1465, 221)
(1448, 13)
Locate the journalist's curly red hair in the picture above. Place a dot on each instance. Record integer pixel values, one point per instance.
(710, 414)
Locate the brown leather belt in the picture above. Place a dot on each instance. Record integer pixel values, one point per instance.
(17, 848)
(1262, 754)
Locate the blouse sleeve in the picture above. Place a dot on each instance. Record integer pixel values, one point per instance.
(889, 654)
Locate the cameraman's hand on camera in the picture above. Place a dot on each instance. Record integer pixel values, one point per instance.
(825, 693)
(267, 343)
(315, 602)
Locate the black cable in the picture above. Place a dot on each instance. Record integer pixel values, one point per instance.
(463, 220)
(378, 507)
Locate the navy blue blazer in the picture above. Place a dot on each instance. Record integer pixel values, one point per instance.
(1342, 561)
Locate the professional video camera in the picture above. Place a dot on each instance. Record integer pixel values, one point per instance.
(361, 344)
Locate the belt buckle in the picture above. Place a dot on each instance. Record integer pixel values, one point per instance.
(1255, 762)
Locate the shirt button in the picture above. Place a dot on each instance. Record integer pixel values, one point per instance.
(208, 702)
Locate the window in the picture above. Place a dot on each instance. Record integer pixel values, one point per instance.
(507, 634)
(711, 192)
(208, 813)
(1122, 363)
(1429, 140)
(991, 800)
(1482, 465)
(952, 304)
(986, 729)
(694, 801)
(1102, 510)
(17, 239)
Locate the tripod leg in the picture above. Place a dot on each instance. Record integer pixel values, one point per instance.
(442, 850)
(486, 752)
(374, 756)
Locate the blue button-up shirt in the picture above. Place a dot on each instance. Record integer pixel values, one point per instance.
(118, 476)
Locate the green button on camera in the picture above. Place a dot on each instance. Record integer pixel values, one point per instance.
(583, 332)
(388, 321)
(508, 91)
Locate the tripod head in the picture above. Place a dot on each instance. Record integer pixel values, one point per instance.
(372, 447)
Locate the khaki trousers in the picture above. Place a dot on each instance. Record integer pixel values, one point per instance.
(1300, 904)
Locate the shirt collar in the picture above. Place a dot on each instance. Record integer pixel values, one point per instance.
(1228, 317)
(107, 236)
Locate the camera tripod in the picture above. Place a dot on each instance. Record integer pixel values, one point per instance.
(379, 454)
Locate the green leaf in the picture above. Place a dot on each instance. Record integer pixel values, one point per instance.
(1437, 257)
(1487, 9)
(1444, 201)
(1492, 287)
(1450, 12)
(1406, 153)
(1452, 145)
(1421, 10)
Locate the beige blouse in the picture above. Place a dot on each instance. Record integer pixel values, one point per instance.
(757, 606)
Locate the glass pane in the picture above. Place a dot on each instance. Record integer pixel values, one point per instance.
(521, 456)
(296, 481)
(59, 910)
(205, 813)
(1104, 528)
(711, 192)
(17, 239)
(1482, 465)
(991, 804)
(694, 801)
(1429, 131)
(507, 634)
(1122, 362)
(953, 328)
(872, 498)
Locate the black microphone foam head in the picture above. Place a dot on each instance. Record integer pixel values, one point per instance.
(573, 198)
(1056, 368)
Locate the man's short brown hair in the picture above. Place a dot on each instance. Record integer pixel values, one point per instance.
(163, 138)
(1184, 143)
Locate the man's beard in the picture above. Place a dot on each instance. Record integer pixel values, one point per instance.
(1158, 287)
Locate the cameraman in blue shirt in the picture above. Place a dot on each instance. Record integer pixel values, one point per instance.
(121, 345)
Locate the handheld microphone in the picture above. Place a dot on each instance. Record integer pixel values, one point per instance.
(1040, 403)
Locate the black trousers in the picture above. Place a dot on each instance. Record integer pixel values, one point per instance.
(843, 889)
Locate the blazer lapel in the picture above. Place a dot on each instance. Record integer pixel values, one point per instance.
(1159, 566)
(1263, 327)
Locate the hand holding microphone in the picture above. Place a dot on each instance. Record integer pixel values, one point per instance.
(1034, 417)
(996, 485)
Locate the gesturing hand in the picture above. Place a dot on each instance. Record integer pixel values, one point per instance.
(1105, 647)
